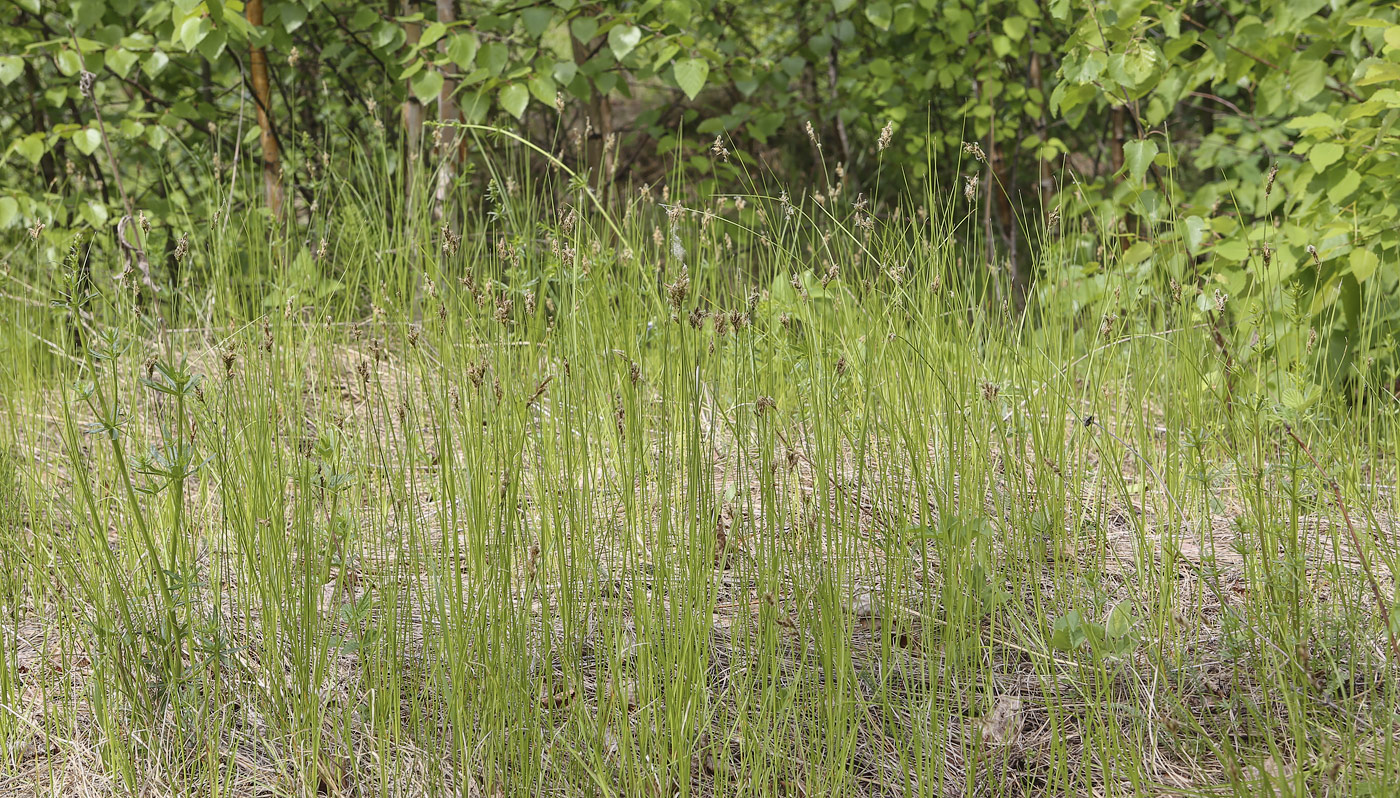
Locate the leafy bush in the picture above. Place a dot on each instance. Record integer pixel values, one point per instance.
(1233, 147)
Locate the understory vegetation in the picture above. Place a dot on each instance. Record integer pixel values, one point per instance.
(680, 492)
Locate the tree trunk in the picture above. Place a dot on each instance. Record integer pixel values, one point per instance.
(262, 94)
(447, 114)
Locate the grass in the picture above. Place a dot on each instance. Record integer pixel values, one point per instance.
(675, 501)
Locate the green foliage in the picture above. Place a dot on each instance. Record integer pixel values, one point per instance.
(1278, 123)
(1236, 148)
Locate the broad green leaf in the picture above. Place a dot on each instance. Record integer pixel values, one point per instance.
(879, 14)
(1137, 253)
(514, 98)
(9, 211)
(842, 5)
(584, 28)
(1363, 264)
(1392, 38)
(87, 140)
(1344, 188)
(1324, 154)
(1308, 78)
(69, 63)
(1120, 621)
(1015, 27)
(622, 39)
(11, 67)
(32, 147)
(431, 34)
(193, 31)
(565, 71)
(212, 45)
(364, 18)
(1380, 72)
(494, 57)
(1137, 156)
(1234, 250)
(387, 36)
(154, 63)
(120, 60)
(1068, 632)
(537, 20)
(461, 48)
(474, 107)
(1315, 121)
(426, 85)
(542, 86)
(293, 16)
(1194, 233)
(691, 74)
(93, 212)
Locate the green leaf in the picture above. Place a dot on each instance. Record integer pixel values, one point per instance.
(623, 39)
(32, 147)
(212, 45)
(1234, 250)
(120, 60)
(691, 74)
(93, 212)
(462, 48)
(474, 106)
(87, 140)
(494, 56)
(879, 14)
(192, 32)
(11, 67)
(1363, 264)
(1137, 253)
(431, 34)
(544, 89)
(387, 36)
(1317, 121)
(1137, 156)
(514, 98)
(1324, 154)
(1309, 78)
(842, 5)
(69, 63)
(537, 20)
(9, 211)
(1380, 72)
(584, 28)
(1120, 621)
(1068, 632)
(1344, 188)
(1015, 27)
(565, 71)
(293, 16)
(155, 63)
(1195, 233)
(426, 85)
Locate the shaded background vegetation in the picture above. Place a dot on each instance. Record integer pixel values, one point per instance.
(1243, 150)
